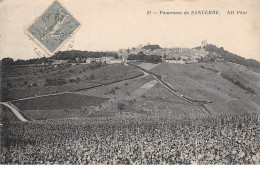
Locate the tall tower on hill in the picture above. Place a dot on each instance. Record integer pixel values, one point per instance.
(203, 43)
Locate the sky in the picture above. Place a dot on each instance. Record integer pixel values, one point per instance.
(119, 24)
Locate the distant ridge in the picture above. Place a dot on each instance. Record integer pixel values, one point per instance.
(73, 55)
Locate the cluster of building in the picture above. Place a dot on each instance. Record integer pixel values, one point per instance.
(104, 60)
(170, 55)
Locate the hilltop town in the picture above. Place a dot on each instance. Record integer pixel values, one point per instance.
(144, 53)
(170, 55)
(154, 53)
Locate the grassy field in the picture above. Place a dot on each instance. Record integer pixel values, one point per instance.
(237, 73)
(20, 71)
(117, 90)
(19, 93)
(55, 114)
(155, 101)
(68, 105)
(120, 92)
(86, 76)
(60, 101)
(147, 66)
(198, 83)
(201, 83)
(158, 101)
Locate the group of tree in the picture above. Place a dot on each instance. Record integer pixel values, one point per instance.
(77, 80)
(76, 54)
(71, 56)
(145, 58)
(230, 57)
(55, 82)
(10, 62)
(151, 47)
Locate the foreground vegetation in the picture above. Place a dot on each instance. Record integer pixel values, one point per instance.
(220, 140)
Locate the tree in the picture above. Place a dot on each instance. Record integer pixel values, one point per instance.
(7, 61)
(25, 83)
(92, 77)
(121, 106)
(78, 80)
(9, 85)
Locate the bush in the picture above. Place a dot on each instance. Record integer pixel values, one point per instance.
(250, 90)
(113, 91)
(78, 80)
(92, 77)
(71, 81)
(9, 85)
(143, 96)
(121, 106)
(25, 83)
(202, 66)
(55, 82)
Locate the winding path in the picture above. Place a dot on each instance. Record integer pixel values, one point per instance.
(198, 103)
(15, 111)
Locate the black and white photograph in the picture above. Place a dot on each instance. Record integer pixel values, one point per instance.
(118, 82)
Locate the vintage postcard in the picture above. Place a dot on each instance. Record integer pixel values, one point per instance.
(140, 82)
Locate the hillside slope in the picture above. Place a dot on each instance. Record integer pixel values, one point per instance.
(216, 52)
(202, 81)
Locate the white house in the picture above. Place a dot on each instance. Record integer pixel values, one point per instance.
(58, 62)
(104, 60)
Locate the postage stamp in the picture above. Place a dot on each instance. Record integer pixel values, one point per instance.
(53, 27)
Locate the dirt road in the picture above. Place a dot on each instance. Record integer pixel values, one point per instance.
(15, 111)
